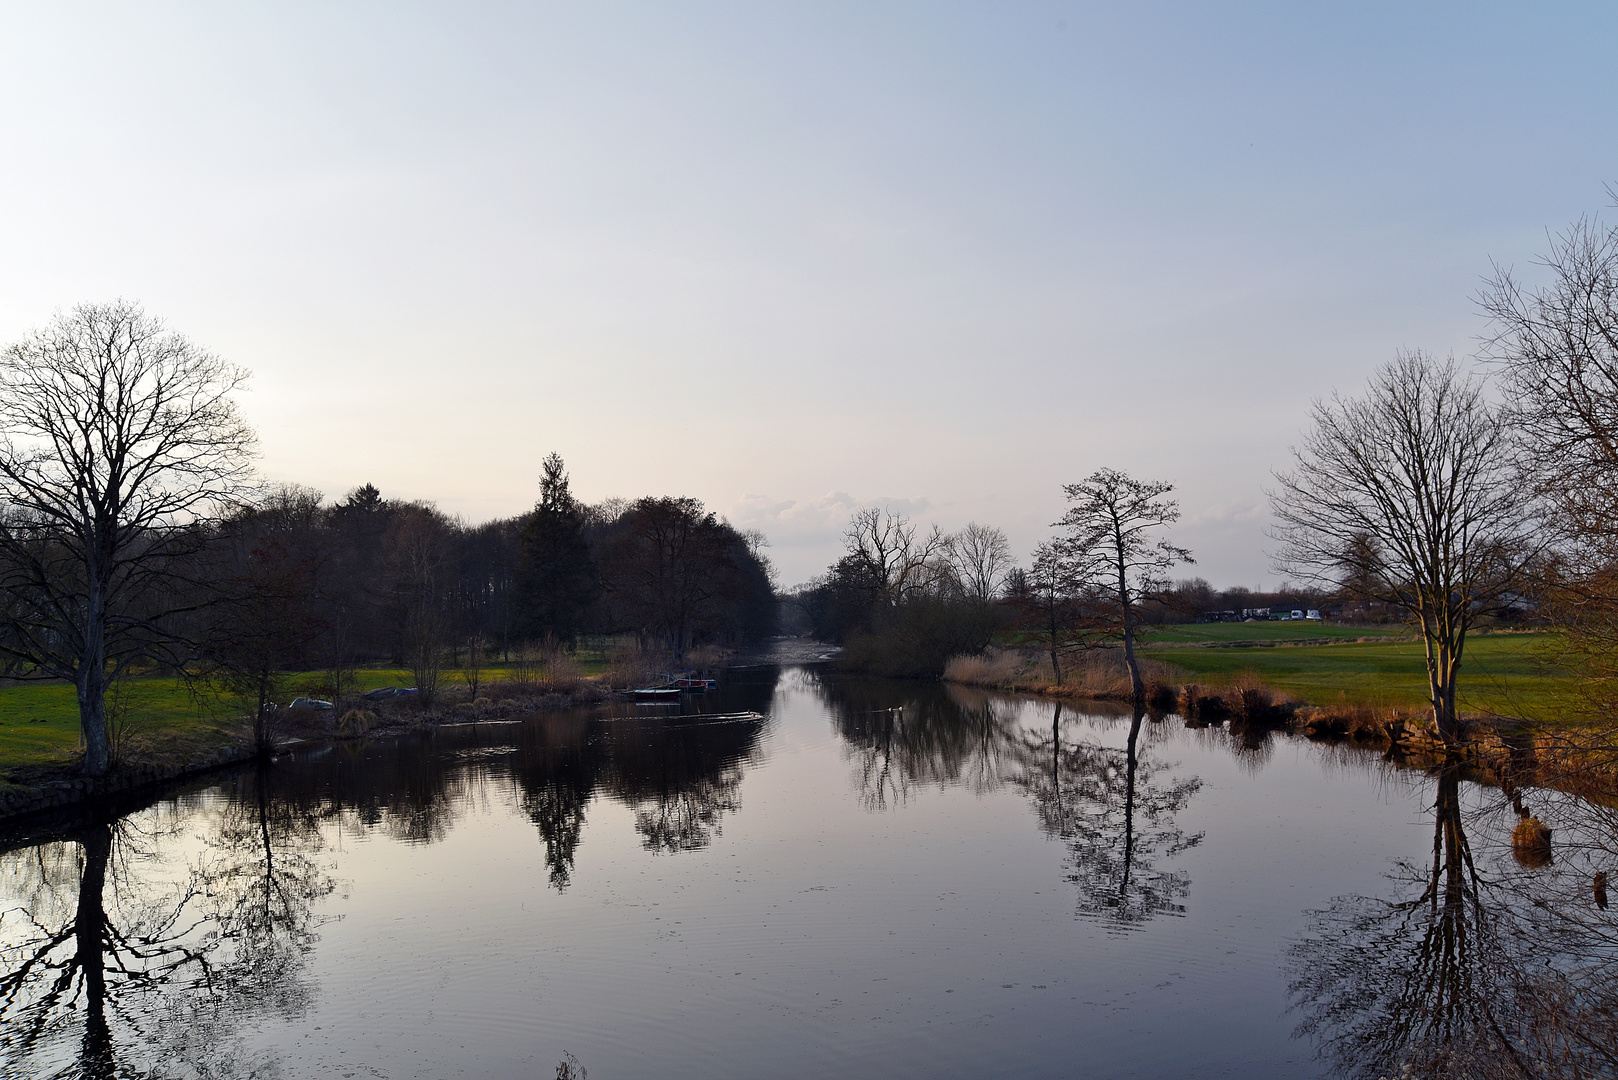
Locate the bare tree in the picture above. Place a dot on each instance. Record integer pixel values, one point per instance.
(1110, 555)
(118, 440)
(1423, 465)
(886, 546)
(1050, 604)
(477, 648)
(979, 556)
(1557, 349)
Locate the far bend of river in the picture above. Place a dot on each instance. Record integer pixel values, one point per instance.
(868, 878)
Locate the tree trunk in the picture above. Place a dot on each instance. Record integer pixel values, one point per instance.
(261, 722)
(1443, 667)
(92, 693)
(1126, 615)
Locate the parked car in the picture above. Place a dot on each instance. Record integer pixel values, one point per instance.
(382, 693)
(406, 691)
(309, 703)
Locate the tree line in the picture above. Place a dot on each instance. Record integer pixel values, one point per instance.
(1447, 493)
(134, 537)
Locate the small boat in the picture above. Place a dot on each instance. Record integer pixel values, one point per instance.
(657, 693)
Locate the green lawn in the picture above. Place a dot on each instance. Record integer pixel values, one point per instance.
(39, 722)
(1270, 633)
(1501, 673)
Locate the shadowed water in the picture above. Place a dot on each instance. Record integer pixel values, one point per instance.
(803, 875)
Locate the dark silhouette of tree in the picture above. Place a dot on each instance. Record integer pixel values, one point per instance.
(270, 616)
(677, 575)
(1049, 601)
(557, 580)
(1556, 348)
(979, 557)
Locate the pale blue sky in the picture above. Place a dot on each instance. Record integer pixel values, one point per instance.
(788, 260)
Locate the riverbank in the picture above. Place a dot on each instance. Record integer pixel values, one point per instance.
(205, 742)
(1516, 747)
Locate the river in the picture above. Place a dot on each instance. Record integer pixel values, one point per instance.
(803, 875)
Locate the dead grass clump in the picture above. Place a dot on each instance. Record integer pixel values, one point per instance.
(994, 668)
(1252, 701)
(1200, 706)
(629, 665)
(1189, 700)
(1162, 696)
(1531, 842)
(356, 722)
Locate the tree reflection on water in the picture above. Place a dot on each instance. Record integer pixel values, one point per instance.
(1117, 812)
(130, 951)
(1115, 809)
(679, 775)
(1463, 973)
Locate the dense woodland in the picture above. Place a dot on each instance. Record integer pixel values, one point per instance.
(369, 578)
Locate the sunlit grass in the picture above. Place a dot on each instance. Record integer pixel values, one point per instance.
(1266, 632)
(39, 722)
(1505, 674)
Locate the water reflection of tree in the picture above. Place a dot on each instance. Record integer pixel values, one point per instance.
(133, 966)
(1462, 973)
(263, 880)
(1117, 812)
(679, 774)
(555, 775)
(1116, 809)
(680, 777)
(931, 735)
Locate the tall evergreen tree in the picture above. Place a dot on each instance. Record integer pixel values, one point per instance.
(556, 576)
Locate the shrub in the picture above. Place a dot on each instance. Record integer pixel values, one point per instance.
(1531, 842)
(918, 638)
(356, 722)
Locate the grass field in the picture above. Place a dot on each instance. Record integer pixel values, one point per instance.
(39, 722)
(1503, 673)
(1271, 633)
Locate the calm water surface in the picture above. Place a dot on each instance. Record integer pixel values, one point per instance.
(860, 878)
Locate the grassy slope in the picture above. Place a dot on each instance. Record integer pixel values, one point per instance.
(1501, 673)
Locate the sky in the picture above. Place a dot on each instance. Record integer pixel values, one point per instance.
(796, 259)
